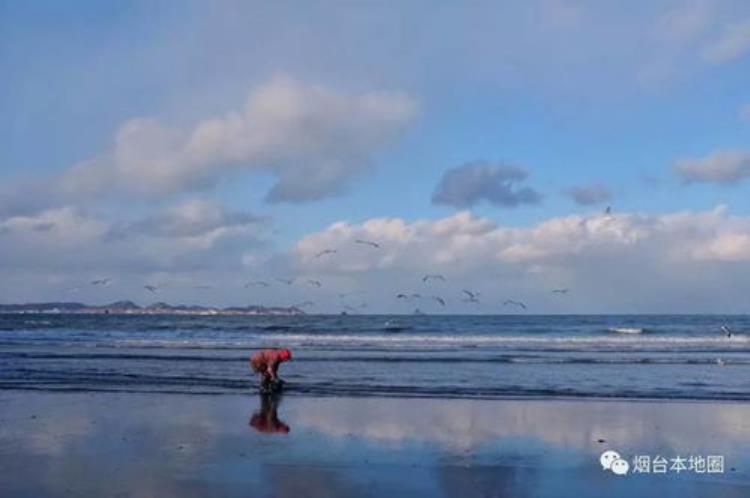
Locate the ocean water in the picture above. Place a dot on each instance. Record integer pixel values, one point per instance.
(662, 357)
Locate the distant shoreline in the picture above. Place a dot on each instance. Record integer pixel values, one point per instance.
(130, 308)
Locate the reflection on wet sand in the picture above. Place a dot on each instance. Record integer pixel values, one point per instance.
(469, 425)
(148, 445)
(266, 418)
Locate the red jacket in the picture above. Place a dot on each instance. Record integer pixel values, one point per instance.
(266, 361)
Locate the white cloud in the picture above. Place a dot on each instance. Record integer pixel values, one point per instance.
(313, 140)
(463, 425)
(51, 231)
(183, 237)
(478, 242)
(724, 167)
(626, 262)
(732, 43)
(691, 35)
(195, 217)
(648, 259)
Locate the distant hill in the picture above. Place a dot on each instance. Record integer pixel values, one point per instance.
(130, 308)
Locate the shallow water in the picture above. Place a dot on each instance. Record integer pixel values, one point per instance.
(118, 444)
(675, 357)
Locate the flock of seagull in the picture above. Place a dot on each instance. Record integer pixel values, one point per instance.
(468, 296)
(471, 296)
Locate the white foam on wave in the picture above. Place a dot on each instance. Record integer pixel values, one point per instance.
(626, 338)
(626, 330)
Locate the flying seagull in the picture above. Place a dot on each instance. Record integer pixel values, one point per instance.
(608, 211)
(101, 281)
(439, 299)
(287, 281)
(203, 287)
(514, 303)
(304, 304)
(472, 297)
(326, 251)
(315, 283)
(367, 243)
(433, 277)
(560, 291)
(151, 288)
(408, 296)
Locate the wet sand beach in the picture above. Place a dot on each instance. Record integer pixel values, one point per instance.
(125, 444)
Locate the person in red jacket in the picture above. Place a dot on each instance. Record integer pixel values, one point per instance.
(266, 363)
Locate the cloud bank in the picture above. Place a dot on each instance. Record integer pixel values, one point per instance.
(643, 260)
(312, 140)
(629, 262)
(724, 168)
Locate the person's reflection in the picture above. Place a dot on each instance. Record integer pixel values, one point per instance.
(266, 419)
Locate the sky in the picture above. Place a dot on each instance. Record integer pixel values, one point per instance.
(205, 149)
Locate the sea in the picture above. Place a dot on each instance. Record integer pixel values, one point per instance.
(478, 356)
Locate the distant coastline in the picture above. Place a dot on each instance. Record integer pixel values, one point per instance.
(130, 308)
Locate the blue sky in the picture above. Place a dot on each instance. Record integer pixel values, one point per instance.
(360, 111)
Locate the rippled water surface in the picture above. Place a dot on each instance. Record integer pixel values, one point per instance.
(688, 357)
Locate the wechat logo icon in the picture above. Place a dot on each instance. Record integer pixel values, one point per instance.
(611, 460)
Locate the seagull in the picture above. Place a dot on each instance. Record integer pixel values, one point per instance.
(257, 283)
(101, 281)
(315, 283)
(367, 243)
(560, 291)
(409, 296)
(326, 251)
(304, 304)
(439, 299)
(472, 296)
(203, 287)
(151, 288)
(287, 281)
(433, 277)
(727, 331)
(514, 303)
(608, 211)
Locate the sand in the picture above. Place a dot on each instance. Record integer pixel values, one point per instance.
(152, 445)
